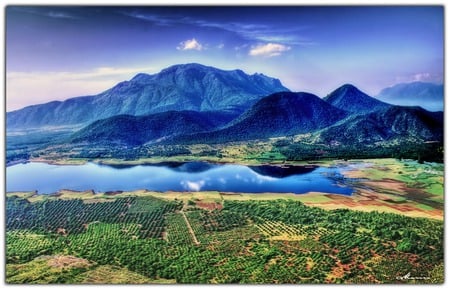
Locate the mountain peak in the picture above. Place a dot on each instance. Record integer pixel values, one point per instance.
(349, 88)
(351, 99)
(141, 77)
(186, 66)
(190, 86)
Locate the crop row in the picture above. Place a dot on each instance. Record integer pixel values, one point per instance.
(177, 230)
(73, 216)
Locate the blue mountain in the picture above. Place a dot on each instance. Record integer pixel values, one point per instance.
(279, 114)
(137, 130)
(426, 95)
(192, 87)
(351, 99)
(389, 124)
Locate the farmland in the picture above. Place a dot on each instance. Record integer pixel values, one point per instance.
(208, 237)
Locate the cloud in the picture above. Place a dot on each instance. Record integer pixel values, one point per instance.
(42, 11)
(420, 77)
(190, 44)
(257, 32)
(268, 50)
(248, 31)
(27, 88)
(55, 14)
(220, 46)
(155, 19)
(193, 186)
(240, 47)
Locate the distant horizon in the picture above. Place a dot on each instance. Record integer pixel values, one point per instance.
(152, 73)
(54, 53)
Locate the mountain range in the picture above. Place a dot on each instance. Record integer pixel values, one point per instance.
(196, 104)
(430, 96)
(279, 114)
(192, 87)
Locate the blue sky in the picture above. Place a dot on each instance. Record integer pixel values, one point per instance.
(57, 52)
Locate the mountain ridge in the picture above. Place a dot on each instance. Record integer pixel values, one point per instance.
(180, 87)
(137, 130)
(349, 98)
(279, 114)
(430, 96)
(414, 123)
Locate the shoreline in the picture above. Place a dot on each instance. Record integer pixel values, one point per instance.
(360, 200)
(388, 185)
(156, 161)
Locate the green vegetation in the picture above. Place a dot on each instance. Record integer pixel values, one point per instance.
(246, 141)
(416, 176)
(155, 240)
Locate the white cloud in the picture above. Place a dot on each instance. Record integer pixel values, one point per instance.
(249, 31)
(193, 186)
(28, 88)
(240, 47)
(190, 44)
(422, 77)
(419, 77)
(220, 46)
(268, 50)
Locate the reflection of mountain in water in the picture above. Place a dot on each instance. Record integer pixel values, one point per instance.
(197, 167)
(190, 167)
(284, 171)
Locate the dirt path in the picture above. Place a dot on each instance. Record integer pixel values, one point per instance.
(190, 229)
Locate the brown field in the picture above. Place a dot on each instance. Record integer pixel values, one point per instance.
(209, 205)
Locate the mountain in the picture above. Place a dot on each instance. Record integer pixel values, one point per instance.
(394, 122)
(351, 99)
(426, 95)
(279, 114)
(137, 130)
(191, 87)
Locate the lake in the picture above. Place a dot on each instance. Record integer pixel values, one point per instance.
(171, 176)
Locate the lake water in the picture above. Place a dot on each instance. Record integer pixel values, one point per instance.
(191, 176)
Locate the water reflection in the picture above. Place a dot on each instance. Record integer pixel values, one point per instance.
(282, 171)
(173, 176)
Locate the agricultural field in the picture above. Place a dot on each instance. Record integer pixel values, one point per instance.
(207, 237)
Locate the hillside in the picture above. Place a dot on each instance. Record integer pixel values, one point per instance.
(191, 87)
(395, 122)
(137, 130)
(279, 114)
(351, 99)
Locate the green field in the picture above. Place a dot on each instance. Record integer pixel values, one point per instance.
(144, 238)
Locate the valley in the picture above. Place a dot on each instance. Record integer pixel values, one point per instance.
(215, 237)
(224, 144)
(162, 179)
(392, 223)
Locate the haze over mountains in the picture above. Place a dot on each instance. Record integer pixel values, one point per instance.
(193, 104)
(427, 95)
(192, 87)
